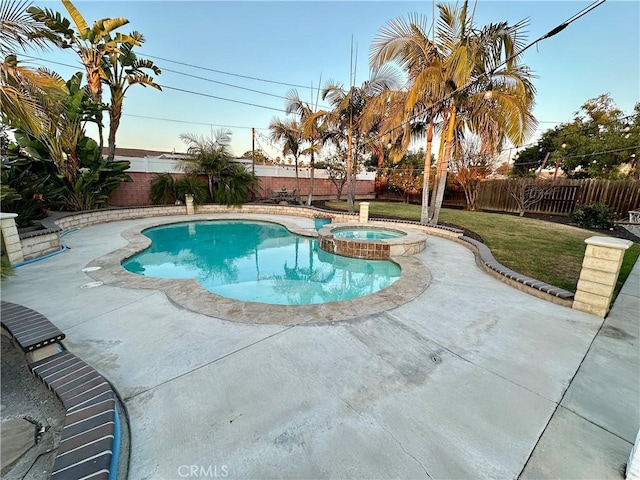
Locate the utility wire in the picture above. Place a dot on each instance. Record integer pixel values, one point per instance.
(584, 128)
(228, 73)
(221, 98)
(192, 123)
(227, 84)
(178, 89)
(223, 83)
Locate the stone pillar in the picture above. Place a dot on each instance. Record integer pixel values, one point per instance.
(599, 274)
(11, 245)
(188, 200)
(364, 212)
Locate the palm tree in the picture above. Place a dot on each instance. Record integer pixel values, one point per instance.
(91, 44)
(478, 61)
(124, 70)
(312, 131)
(228, 182)
(22, 87)
(349, 116)
(291, 133)
(407, 43)
(451, 76)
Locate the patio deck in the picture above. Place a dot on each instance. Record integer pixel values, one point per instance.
(472, 378)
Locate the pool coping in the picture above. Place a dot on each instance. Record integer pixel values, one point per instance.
(189, 294)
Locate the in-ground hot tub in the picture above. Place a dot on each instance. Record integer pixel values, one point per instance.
(374, 242)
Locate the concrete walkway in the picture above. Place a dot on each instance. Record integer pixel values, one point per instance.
(471, 379)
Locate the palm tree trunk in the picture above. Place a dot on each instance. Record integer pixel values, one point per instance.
(424, 212)
(311, 175)
(442, 181)
(350, 189)
(115, 113)
(297, 178)
(436, 180)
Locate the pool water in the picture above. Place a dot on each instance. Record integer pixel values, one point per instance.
(366, 234)
(258, 262)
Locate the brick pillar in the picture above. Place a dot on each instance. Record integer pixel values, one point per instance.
(188, 200)
(11, 245)
(364, 212)
(599, 274)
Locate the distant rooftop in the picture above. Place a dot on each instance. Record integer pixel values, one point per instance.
(136, 152)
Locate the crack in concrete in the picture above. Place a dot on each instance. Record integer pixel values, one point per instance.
(208, 363)
(388, 432)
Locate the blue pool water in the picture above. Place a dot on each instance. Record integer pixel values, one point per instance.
(258, 262)
(366, 234)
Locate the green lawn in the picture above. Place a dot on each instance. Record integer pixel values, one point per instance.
(546, 251)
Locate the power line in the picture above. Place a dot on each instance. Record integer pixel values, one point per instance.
(229, 73)
(179, 89)
(223, 83)
(584, 128)
(581, 155)
(221, 98)
(227, 84)
(192, 123)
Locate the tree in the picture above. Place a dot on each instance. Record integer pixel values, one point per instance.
(228, 182)
(289, 132)
(528, 192)
(599, 142)
(406, 42)
(20, 87)
(349, 120)
(93, 45)
(459, 77)
(337, 172)
(311, 131)
(469, 167)
(259, 156)
(123, 70)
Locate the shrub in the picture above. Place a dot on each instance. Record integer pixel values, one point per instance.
(162, 189)
(595, 215)
(191, 184)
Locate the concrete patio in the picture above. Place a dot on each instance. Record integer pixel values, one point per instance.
(472, 378)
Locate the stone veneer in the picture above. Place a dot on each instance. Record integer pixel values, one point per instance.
(10, 238)
(600, 268)
(412, 242)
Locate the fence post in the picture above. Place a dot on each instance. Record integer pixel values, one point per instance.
(599, 274)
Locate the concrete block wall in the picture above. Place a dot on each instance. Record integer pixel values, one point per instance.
(136, 193)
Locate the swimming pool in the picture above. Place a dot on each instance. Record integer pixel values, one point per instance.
(258, 262)
(366, 233)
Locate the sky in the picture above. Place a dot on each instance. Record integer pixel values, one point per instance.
(305, 43)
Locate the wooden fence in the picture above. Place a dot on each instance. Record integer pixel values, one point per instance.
(566, 196)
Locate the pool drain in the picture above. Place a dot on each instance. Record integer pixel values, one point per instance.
(91, 285)
(436, 359)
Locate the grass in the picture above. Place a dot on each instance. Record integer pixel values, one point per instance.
(549, 252)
